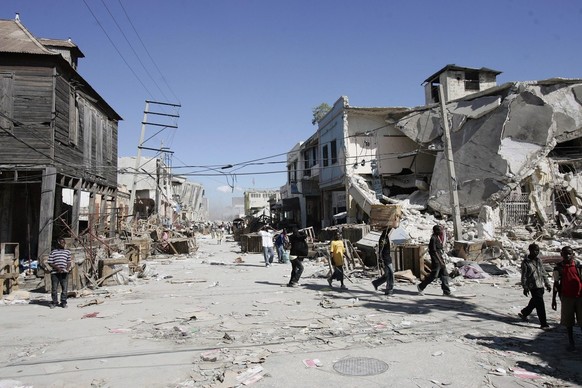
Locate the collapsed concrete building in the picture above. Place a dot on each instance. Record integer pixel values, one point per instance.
(516, 150)
(516, 143)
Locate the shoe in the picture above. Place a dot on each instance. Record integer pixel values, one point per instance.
(64, 305)
(420, 290)
(523, 317)
(449, 294)
(343, 287)
(294, 285)
(389, 293)
(545, 327)
(329, 281)
(52, 305)
(375, 286)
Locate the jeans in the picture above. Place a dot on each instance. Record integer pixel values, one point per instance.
(338, 274)
(387, 277)
(537, 302)
(62, 279)
(268, 254)
(440, 271)
(296, 270)
(280, 251)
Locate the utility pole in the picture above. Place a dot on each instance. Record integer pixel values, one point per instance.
(454, 195)
(140, 146)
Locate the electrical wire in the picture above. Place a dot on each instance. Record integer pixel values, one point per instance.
(133, 50)
(117, 49)
(147, 51)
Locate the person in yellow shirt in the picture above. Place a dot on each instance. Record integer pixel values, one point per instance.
(337, 249)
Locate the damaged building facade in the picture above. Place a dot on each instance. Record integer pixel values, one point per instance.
(159, 193)
(59, 140)
(516, 148)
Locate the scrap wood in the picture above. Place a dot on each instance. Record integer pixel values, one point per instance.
(405, 275)
(90, 279)
(102, 279)
(251, 375)
(184, 281)
(91, 302)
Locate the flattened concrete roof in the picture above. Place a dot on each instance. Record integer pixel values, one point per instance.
(452, 66)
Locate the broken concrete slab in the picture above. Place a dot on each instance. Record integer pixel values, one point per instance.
(497, 138)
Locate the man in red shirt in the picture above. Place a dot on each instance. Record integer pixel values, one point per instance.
(568, 285)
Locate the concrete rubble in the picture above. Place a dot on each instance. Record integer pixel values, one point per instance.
(501, 137)
(248, 330)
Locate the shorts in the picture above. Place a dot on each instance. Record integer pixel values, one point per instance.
(571, 307)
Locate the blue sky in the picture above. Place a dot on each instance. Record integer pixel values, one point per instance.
(248, 73)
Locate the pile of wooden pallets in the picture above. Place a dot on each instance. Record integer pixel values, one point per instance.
(9, 266)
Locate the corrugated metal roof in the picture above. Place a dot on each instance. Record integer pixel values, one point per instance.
(59, 43)
(15, 38)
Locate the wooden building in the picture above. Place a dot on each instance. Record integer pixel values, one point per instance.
(58, 138)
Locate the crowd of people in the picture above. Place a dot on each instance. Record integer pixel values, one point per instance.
(293, 247)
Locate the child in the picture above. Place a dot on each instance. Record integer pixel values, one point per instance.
(337, 249)
(533, 279)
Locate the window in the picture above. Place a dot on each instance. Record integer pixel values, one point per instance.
(73, 117)
(6, 102)
(325, 156)
(472, 81)
(306, 163)
(334, 152)
(292, 168)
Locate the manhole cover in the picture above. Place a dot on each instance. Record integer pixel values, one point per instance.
(360, 366)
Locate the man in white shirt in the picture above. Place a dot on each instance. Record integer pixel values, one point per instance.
(266, 234)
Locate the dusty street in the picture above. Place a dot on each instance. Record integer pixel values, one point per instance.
(203, 319)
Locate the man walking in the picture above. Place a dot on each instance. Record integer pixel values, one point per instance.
(267, 242)
(437, 263)
(337, 249)
(568, 285)
(384, 254)
(60, 264)
(533, 279)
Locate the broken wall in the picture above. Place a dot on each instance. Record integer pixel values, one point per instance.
(498, 138)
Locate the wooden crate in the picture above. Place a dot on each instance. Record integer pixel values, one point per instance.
(9, 266)
(382, 216)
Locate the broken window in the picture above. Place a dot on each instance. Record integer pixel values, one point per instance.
(472, 81)
(515, 209)
(325, 156)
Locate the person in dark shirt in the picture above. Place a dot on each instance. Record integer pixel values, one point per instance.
(386, 259)
(533, 279)
(437, 263)
(299, 251)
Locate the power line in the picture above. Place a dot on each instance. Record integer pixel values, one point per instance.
(132, 49)
(147, 51)
(116, 49)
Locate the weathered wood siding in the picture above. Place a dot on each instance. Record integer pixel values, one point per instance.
(31, 95)
(90, 147)
(46, 103)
